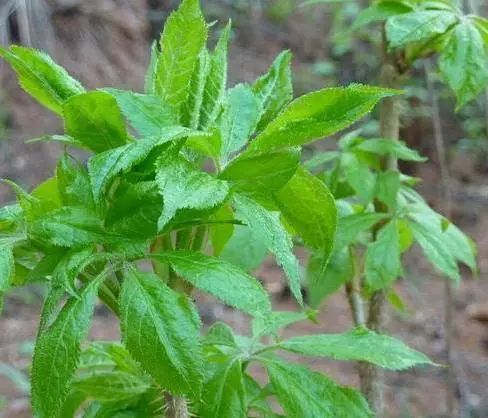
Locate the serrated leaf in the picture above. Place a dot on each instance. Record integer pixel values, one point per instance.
(148, 114)
(219, 278)
(274, 89)
(216, 80)
(104, 167)
(383, 263)
(239, 119)
(417, 26)
(246, 248)
(323, 282)
(397, 149)
(68, 268)
(111, 386)
(220, 334)
(7, 267)
(350, 226)
(150, 76)
(10, 217)
(184, 36)
(224, 392)
(275, 237)
(463, 62)
(57, 351)
(433, 243)
(358, 344)
(309, 207)
(43, 79)
(275, 321)
(160, 328)
(323, 397)
(319, 114)
(73, 183)
(94, 119)
(68, 226)
(183, 186)
(262, 173)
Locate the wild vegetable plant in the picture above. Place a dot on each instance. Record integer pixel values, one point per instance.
(381, 215)
(141, 225)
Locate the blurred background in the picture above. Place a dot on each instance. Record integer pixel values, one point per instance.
(106, 43)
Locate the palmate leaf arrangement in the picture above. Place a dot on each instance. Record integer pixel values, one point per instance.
(184, 182)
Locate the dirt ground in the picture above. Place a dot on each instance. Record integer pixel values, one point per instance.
(105, 43)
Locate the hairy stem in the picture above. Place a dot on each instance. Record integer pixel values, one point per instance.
(176, 407)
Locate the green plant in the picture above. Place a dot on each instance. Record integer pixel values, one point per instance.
(382, 216)
(142, 225)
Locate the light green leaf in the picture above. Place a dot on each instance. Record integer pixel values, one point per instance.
(73, 183)
(387, 187)
(160, 328)
(111, 386)
(383, 264)
(224, 392)
(396, 149)
(219, 278)
(43, 79)
(275, 237)
(274, 89)
(417, 26)
(359, 344)
(379, 12)
(321, 283)
(359, 177)
(309, 207)
(150, 76)
(246, 248)
(184, 36)
(57, 351)
(319, 114)
(148, 114)
(104, 167)
(239, 119)
(94, 119)
(7, 267)
(214, 90)
(350, 226)
(276, 321)
(462, 248)
(482, 25)
(221, 233)
(262, 173)
(464, 61)
(66, 271)
(322, 398)
(183, 186)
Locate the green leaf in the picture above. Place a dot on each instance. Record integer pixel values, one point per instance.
(184, 36)
(7, 267)
(39, 76)
(359, 176)
(57, 351)
(431, 239)
(220, 334)
(417, 26)
(69, 227)
(319, 114)
(224, 392)
(350, 226)
(160, 328)
(379, 12)
(464, 61)
(359, 344)
(104, 167)
(309, 207)
(216, 80)
(183, 186)
(239, 119)
(274, 89)
(262, 173)
(94, 119)
(383, 263)
(321, 283)
(111, 386)
(246, 248)
(322, 397)
(387, 187)
(482, 25)
(221, 233)
(275, 236)
(150, 76)
(219, 278)
(148, 114)
(73, 183)
(396, 149)
(277, 320)
(66, 271)
(462, 248)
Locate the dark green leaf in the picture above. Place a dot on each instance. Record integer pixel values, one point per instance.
(319, 114)
(39, 76)
(160, 328)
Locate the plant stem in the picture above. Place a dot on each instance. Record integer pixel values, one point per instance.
(353, 293)
(176, 407)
